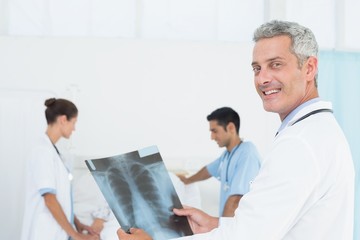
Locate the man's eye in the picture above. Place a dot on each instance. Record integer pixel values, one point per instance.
(256, 69)
(276, 65)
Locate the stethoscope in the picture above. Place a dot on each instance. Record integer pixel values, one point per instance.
(312, 113)
(226, 185)
(308, 115)
(70, 176)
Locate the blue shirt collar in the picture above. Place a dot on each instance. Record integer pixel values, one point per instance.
(295, 111)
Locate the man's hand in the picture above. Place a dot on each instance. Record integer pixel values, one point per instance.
(199, 221)
(135, 234)
(183, 178)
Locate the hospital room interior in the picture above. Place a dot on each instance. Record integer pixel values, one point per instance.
(145, 73)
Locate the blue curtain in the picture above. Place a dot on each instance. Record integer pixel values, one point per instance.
(339, 82)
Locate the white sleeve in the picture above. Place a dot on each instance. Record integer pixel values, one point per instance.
(43, 168)
(276, 197)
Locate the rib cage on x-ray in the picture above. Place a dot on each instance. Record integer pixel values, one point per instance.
(138, 191)
(124, 178)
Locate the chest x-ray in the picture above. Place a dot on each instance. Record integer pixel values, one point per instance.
(140, 193)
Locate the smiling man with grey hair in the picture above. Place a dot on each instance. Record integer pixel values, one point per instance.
(305, 187)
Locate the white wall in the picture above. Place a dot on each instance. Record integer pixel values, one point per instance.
(132, 94)
(19, 126)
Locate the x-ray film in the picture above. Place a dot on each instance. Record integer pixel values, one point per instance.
(140, 193)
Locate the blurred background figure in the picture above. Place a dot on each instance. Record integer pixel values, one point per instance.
(236, 167)
(49, 211)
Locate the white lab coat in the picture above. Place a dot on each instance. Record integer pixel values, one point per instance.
(45, 170)
(304, 190)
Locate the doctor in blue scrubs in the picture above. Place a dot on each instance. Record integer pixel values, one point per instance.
(237, 166)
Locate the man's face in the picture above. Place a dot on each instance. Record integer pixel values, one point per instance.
(279, 81)
(219, 134)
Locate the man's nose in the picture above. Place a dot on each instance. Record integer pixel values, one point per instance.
(263, 77)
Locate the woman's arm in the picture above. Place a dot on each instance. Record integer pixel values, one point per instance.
(56, 210)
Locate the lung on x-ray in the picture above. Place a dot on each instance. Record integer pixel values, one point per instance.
(140, 193)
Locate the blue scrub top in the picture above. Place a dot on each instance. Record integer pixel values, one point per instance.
(236, 170)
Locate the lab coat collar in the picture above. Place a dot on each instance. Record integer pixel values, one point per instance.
(303, 109)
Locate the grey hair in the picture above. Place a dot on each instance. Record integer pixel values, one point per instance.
(303, 42)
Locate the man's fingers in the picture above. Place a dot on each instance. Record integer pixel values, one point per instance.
(121, 233)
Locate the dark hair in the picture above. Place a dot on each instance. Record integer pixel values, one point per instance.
(57, 107)
(224, 116)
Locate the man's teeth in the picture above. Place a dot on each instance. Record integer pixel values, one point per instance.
(271, 91)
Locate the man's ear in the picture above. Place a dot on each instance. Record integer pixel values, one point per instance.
(231, 127)
(311, 68)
